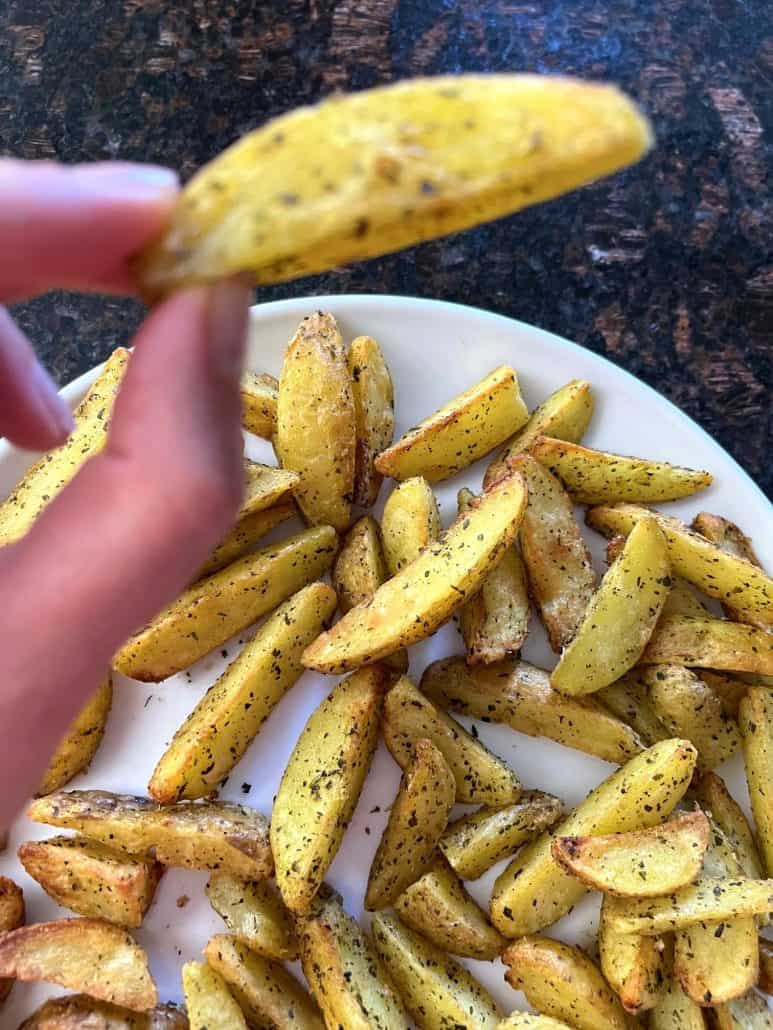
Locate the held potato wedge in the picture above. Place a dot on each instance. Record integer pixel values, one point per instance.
(632, 966)
(528, 1021)
(481, 777)
(712, 643)
(360, 567)
(409, 523)
(414, 603)
(220, 728)
(254, 914)
(81, 741)
(675, 1010)
(641, 863)
(417, 818)
(259, 397)
(463, 430)
(620, 616)
(374, 414)
(520, 695)
(437, 991)
(714, 797)
(194, 835)
(216, 608)
(343, 971)
(85, 955)
(247, 532)
(534, 891)
(92, 879)
(751, 1012)
(558, 563)
(402, 164)
(755, 718)
(80, 1012)
(315, 421)
(628, 698)
(11, 918)
(208, 1002)
(322, 782)
(595, 477)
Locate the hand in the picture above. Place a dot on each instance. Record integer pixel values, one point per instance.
(136, 523)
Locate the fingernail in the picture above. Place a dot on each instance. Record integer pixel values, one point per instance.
(229, 303)
(51, 407)
(124, 176)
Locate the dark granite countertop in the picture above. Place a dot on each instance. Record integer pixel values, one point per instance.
(666, 269)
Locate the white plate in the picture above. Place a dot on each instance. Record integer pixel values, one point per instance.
(434, 350)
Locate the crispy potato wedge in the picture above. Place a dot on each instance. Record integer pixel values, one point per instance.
(528, 1021)
(534, 891)
(92, 879)
(409, 523)
(315, 421)
(268, 995)
(82, 740)
(675, 1010)
(374, 413)
(437, 991)
(730, 538)
(80, 1012)
(520, 695)
(715, 799)
(343, 971)
(322, 782)
(632, 966)
(620, 616)
(561, 981)
(360, 567)
(253, 912)
(640, 863)
(751, 1012)
(410, 606)
(86, 955)
(755, 719)
(477, 841)
(11, 918)
(259, 397)
(481, 777)
(439, 908)
(245, 534)
(216, 608)
(714, 643)
(208, 1002)
(558, 563)
(628, 698)
(766, 965)
(201, 835)
(596, 477)
(417, 819)
(717, 573)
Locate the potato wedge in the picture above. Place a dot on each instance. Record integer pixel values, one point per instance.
(628, 698)
(596, 477)
(620, 616)
(696, 559)
(315, 421)
(675, 1010)
(417, 818)
(528, 1021)
(343, 971)
(245, 534)
(216, 608)
(766, 965)
(92, 879)
(520, 695)
(481, 777)
(755, 719)
(259, 397)
(11, 918)
(437, 991)
(681, 600)
(374, 413)
(322, 782)
(201, 835)
(268, 995)
(534, 891)
(409, 523)
(640, 863)
(730, 538)
(561, 981)
(264, 486)
(253, 912)
(410, 606)
(80, 1012)
(86, 955)
(360, 567)
(751, 1012)
(714, 797)
(477, 841)
(728, 688)
(714, 643)
(81, 741)
(439, 908)
(632, 966)
(208, 1002)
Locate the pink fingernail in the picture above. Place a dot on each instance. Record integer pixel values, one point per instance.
(228, 307)
(123, 177)
(51, 408)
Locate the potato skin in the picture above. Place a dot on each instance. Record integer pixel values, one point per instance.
(409, 523)
(755, 718)
(632, 965)
(80, 1012)
(725, 812)
(714, 643)
(82, 740)
(253, 912)
(374, 412)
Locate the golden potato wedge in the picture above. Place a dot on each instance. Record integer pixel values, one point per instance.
(216, 608)
(628, 698)
(11, 918)
(343, 971)
(534, 891)
(755, 719)
(640, 863)
(360, 567)
(477, 841)
(596, 477)
(51, 473)
(730, 538)
(632, 966)
(194, 835)
(264, 486)
(714, 643)
(681, 599)
(561, 981)
(528, 1021)
(620, 616)
(439, 908)
(481, 777)
(259, 397)
(268, 995)
(409, 523)
(728, 688)
(714, 797)
(254, 914)
(402, 163)
(675, 1010)
(92, 879)
(81, 741)
(696, 559)
(410, 606)
(86, 955)
(245, 534)
(751, 1012)
(208, 1002)
(417, 819)
(766, 965)
(322, 782)
(80, 1012)
(315, 421)
(520, 695)
(374, 412)
(437, 991)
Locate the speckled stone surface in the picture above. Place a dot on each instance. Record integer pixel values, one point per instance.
(666, 269)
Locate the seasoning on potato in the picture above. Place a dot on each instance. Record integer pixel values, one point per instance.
(755, 718)
(409, 523)
(632, 965)
(254, 914)
(259, 397)
(374, 415)
(80, 1012)
(208, 1002)
(81, 742)
(711, 643)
